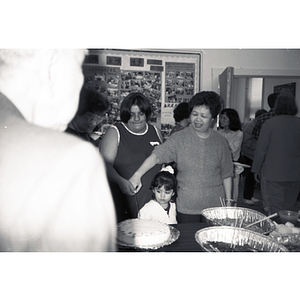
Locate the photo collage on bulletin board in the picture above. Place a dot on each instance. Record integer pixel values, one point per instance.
(105, 80)
(179, 88)
(166, 79)
(116, 84)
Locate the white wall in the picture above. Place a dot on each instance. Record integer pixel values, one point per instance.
(245, 59)
(286, 61)
(269, 84)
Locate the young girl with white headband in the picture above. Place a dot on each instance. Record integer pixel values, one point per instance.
(162, 207)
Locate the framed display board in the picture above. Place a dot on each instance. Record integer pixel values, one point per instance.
(288, 87)
(166, 78)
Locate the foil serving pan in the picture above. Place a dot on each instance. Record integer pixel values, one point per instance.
(233, 239)
(237, 216)
(290, 241)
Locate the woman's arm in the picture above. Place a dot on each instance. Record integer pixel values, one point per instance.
(148, 163)
(227, 183)
(236, 144)
(108, 148)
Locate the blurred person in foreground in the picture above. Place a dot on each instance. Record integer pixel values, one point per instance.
(54, 194)
(203, 160)
(277, 154)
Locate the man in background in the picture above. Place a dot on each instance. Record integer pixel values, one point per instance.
(54, 194)
(264, 117)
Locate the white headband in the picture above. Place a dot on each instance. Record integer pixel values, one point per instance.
(168, 169)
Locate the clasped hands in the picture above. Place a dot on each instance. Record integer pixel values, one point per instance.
(132, 186)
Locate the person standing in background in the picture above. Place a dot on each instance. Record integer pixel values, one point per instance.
(181, 116)
(256, 131)
(231, 129)
(278, 155)
(54, 193)
(247, 155)
(264, 117)
(91, 111)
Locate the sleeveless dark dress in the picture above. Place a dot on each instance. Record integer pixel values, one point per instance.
(133, 149)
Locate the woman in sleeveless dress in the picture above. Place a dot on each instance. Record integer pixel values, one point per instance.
(124, 147)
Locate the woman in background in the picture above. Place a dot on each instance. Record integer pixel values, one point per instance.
(203, 160)
(277, 154)
(231, 129)
(181, 116)
(91, 111)
(124, 147)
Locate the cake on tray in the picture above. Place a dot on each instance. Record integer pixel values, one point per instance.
(138, 232)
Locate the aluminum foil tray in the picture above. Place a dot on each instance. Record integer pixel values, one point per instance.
(290, 241)
(233, 239)
(237, 216)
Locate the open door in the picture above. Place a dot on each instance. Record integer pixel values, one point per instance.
(226, 87)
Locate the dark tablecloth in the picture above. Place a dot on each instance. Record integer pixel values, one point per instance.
(185, 243)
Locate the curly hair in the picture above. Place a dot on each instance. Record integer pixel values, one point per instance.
(134, 99)
(181, 111)
(209, 99)
(166, 179)
(234, 119)
(91, 100)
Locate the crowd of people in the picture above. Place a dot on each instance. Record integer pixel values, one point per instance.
(67, 188)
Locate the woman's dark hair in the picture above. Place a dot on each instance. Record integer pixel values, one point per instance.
(134, 99)
(181, 111)
(91, 100)
(234, 119)
(209, 99)
(166, 179)
(286, 105)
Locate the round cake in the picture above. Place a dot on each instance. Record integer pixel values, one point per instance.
(138, 232)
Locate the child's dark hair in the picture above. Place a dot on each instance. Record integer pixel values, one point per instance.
(166, 179)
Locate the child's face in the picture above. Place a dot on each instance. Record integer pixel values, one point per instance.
(162, 196)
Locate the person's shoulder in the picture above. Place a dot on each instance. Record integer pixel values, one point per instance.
(217, 137)
(217, 134)
(181, 136)
(149, 204)
(239, 133)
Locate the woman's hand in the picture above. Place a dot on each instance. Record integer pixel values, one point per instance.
(257, 177)
(136, 182)
(126, 187)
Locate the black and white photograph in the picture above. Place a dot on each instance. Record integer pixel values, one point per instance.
(142, 157)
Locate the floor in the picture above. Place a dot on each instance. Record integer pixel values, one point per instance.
(257, 194)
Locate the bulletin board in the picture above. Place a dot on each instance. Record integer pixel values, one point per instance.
(166, 78)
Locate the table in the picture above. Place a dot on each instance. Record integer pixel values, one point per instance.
(185, 243)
